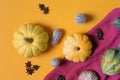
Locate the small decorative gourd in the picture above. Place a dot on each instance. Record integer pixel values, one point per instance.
(116, 22)
(111, 62)
(80, 18)
(88, 75)
(57, 34)
(77, 47)
(55, 62)
(30, 40)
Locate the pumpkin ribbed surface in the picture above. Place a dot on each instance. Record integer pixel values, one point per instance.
(30, 40)
(77, 47)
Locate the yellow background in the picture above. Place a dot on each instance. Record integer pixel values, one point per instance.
(14, 13)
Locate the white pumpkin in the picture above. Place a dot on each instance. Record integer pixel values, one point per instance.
(88, 75)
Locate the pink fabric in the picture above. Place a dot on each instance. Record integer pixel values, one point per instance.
(72, 70)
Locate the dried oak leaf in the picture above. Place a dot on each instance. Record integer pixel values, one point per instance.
(29, 71)
(35, 67)
(28, 64)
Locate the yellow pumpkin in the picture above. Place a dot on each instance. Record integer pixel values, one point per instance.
(30, 40)
(77, 47)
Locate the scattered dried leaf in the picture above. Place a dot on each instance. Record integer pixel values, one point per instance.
(44, 8)
(31, 68)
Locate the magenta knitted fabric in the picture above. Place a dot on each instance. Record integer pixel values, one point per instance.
(71, 70)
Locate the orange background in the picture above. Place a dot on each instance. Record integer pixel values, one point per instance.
(14, 13)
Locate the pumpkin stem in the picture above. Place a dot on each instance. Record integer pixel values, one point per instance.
(30, 40)
(77, 48)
